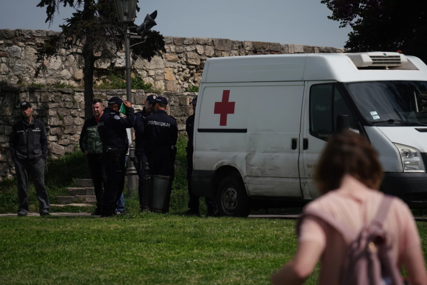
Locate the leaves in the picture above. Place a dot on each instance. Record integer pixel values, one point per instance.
(383, 25)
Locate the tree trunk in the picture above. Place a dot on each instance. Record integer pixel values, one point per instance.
(89, 61)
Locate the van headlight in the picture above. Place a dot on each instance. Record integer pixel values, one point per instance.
(411, 158)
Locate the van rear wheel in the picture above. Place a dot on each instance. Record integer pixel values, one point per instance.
(232, 199)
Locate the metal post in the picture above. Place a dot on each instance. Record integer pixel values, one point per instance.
(130, 170)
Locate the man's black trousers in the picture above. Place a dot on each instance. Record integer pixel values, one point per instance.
(99, 179)
(193, 203)
(36, 169)
(115, 170)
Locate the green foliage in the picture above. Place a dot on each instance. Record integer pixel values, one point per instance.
(193, 88)
(37, 85)
(59, 84)
(117, 82)
(383, 25)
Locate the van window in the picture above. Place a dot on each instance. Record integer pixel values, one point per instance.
(326, 103)
(391, 103)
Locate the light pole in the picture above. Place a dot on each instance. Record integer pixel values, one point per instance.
(126, 11)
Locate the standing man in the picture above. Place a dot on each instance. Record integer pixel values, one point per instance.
(139, 148)
(112, 130)
(91, 146)
(193, 204)
(28, 147)
(161, 134)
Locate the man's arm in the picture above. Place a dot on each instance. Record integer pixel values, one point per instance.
(83, 138)
(139, 124)
(43, 141)
(12, 141)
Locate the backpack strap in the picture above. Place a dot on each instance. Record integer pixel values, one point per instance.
(348, 233)
(383, 209)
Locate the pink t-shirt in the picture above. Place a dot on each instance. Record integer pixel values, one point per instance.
(354, 205)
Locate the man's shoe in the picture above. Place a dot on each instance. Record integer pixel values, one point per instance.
(22, 213)
(212, 213)
(192, 212)
(97, 212)
(44, 213)
(118, 213)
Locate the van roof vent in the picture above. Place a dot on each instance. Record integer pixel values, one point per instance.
(377, 59)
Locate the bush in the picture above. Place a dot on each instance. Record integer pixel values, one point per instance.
(192, 88)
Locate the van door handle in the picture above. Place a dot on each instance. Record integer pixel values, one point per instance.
(305, 144)
(294, 143)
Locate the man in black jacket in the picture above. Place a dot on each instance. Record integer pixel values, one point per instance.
(28, 147)
(91, 146)
(161, 134)
(112, 130)
(193, 203)
(139, 148)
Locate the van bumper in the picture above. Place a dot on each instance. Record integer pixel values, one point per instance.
(202, 183)
(410, 187)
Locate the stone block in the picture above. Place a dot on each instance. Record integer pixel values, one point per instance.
(222, 44)
(200, 49)
(168, 40)
(171, 57)
(209, 51)
(203, 41)
(14, 51)
(81, 190)
(52, 138)
(193, 58)
(170, 86)
(179, 49)
(190, 48)
(85, 198)
(178, 41)
(7, 34)
(3, 69)
(188, 41)
(78, 74)
(65, 74)
(169, 75)
(56, 148)
(65, 199)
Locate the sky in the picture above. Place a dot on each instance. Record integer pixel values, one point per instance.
(302, 22)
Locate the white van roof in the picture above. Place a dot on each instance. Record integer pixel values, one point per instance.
(342, 67)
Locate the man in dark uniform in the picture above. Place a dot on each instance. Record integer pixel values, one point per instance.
(161, 134)
(91, 146)
(112, 130)
(139, 148)
(28, 147)
(193, 203)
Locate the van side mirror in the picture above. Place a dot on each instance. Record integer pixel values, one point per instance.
(342, 123)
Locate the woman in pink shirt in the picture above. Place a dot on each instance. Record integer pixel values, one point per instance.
(348, 175)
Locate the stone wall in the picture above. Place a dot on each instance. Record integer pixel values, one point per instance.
(62, 111)
(173, 71)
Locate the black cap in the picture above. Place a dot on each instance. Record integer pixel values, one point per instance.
(115, 100)
(25, 105)
(194, 101)
(151, 98)
(160, 99)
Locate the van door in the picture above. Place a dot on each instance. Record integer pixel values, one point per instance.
(273, 131)
(323, 101)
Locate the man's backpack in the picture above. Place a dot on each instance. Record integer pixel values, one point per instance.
(368, 259)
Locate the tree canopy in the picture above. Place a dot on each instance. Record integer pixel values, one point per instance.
(383, 25)
(92, 33)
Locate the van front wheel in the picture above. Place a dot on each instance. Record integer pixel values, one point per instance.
(232, 199)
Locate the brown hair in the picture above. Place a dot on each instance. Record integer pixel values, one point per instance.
(347, 153)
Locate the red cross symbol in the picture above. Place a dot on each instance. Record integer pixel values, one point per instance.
(224, 108)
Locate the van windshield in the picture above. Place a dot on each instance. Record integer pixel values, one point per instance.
(391, 103)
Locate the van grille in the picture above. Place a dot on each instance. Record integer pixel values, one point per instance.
(385, 60)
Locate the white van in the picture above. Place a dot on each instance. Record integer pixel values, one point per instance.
(262, 121)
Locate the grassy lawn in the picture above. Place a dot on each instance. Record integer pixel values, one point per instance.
(143, 249)
(139, 248)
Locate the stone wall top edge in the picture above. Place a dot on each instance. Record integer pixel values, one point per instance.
(6, 33)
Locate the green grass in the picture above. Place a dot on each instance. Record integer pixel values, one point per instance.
(143, 249)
